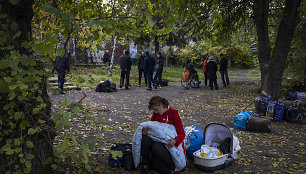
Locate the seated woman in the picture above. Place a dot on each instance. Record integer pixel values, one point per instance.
(155, 154)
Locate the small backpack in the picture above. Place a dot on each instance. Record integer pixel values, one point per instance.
(195, 139)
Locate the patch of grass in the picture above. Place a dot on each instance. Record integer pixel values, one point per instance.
(255, 72)
(89, 77)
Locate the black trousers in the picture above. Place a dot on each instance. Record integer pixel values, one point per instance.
(156, 155)
(205, 79)
(212, 83)
(224, 76)
(140, 72)
(61, 80)
(125, 74)
(158, 78)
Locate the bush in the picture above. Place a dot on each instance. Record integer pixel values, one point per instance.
(240, 55)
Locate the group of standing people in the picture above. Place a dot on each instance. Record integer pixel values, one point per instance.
(210, 69)
(146, 67)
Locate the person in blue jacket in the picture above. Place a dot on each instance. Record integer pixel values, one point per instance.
(62, 67)
(149, 64)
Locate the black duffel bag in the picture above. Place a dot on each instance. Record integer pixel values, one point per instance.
(291, 95)
(295, 115)
(164, 82)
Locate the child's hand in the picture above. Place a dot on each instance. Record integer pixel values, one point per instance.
(145, 131)
(171, 143)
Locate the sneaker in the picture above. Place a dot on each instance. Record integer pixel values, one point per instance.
(149, 89)
(126, 88)
(145, 169)
(62, 92)
(159, 86)
(173, 172)
(139, 85)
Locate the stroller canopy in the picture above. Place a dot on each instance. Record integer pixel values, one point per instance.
(217, 131)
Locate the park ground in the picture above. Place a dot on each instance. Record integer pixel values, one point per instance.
(281, 151)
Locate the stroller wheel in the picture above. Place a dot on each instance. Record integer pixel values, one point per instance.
(229, 162)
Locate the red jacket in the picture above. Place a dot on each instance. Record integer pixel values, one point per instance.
(175, 120)
(204, 66)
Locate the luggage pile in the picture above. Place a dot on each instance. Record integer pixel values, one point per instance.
(294, 106)
(291, 109)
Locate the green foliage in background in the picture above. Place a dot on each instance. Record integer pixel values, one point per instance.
(240, 55)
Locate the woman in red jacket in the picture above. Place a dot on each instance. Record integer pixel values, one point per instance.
(160, 159)
(204, 70)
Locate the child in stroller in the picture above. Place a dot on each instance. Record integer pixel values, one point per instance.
(194, 77)
(186, 76)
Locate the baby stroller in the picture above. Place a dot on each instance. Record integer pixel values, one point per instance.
(221, 137)
(193, 78)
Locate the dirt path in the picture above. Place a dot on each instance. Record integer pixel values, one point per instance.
(280, 151)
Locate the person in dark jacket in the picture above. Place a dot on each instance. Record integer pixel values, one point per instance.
(212, 69)
(149, 63)
(141, 68)
(159, 69)
(106, 58)
(223, 70)
(63, 67)
(125, 63)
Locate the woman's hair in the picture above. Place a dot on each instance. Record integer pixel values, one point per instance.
(158, 100)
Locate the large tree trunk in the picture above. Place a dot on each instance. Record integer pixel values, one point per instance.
(282, 46)
(110, 72)
(22, 14)
(156, 43)
(261, 10)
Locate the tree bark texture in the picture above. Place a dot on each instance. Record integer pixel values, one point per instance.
(110, 72)
(261, 10)
(156, 43)
(282, 45)
(22, 14)
(272, 68)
